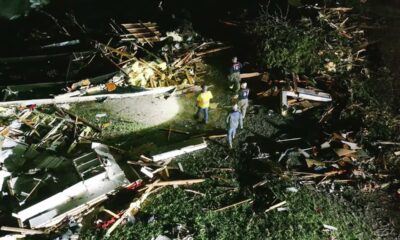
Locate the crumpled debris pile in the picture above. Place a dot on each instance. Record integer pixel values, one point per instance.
(177, 63)
(33, 140)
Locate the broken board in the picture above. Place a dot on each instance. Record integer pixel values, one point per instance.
(180, 149)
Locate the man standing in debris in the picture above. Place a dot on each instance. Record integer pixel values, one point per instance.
(233, 120)
(243, 102)
(203, 103)
(234, 74)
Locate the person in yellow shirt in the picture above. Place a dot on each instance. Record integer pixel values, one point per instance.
(203, 103)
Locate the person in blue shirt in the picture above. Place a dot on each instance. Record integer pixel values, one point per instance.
(233, 120)
(243, 96)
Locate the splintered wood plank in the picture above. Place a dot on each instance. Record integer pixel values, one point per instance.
(250, 75)
(344, 152)
(136, 25)
(21, 230)
(141, 30)
(178, 182)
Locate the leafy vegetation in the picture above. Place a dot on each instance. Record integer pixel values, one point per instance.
(176, 208)
(287, 45)
(307, 212)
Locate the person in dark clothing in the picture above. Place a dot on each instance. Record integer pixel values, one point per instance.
(243, 102)
(234, 74)
(233, 120)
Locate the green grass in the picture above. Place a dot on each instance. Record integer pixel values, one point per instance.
(308, 210)
(113, 126)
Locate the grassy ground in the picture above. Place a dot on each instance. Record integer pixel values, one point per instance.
(112, 124)
(230, 176)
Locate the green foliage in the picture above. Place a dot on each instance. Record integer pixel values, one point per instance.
(291, 46)
(305, 46)
(307, 212)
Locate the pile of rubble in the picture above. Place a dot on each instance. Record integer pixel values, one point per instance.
(157, 63)
(51, 164)
(178, 62)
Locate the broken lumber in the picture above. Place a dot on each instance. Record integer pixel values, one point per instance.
(275, 206)
(143, 164)
(288, 140)
(187, 146)
(327, 174)
(134, 206)
(21, 230)
(177, 182)
(387, 143)
(175, 131)
(233, 205)
(217, 136)
(250, 75)
(344, 152)
(159, 90)
(110, 213)
(145, 158)
(212, 51)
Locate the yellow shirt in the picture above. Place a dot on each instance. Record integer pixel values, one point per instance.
(203, 100)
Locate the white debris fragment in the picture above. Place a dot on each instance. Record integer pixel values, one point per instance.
(292, 189)
(175, 36)
(147, 171)
(101, 115)
(329, 227)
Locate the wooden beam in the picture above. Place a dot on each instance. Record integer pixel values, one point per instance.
(21, 230)
(275, 206)
(177, 182)
(110, 213)
(146, 158)
(138, 25)
(211, 51)
(217, 136)
(175, 130)
(250, 75)
(133, 206)
(85, 98)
